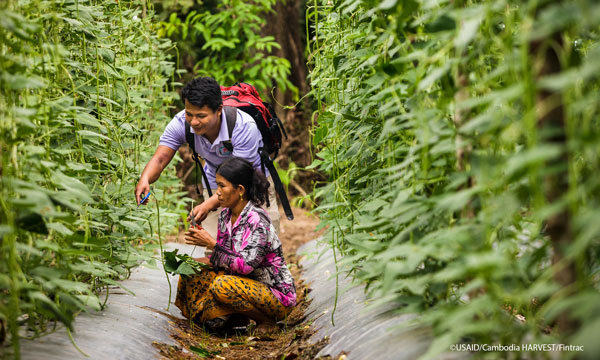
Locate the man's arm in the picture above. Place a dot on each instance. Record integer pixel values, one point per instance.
(161, 158)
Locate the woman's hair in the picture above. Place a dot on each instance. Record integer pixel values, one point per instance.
(239, 171)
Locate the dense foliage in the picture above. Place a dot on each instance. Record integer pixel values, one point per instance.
(447, 182)
(225, 42)
(85, 88)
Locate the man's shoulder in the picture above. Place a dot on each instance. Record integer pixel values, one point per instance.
(244, 124)
(243, 118)
(174, 134)
(180, 116)
(178, 122)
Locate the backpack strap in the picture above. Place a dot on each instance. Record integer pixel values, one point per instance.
(266, 160)
(191, 141)
(230, 117)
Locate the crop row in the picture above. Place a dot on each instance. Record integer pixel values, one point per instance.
(461, 143)
(86, 88)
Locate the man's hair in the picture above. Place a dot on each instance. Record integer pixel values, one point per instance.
(203, 91)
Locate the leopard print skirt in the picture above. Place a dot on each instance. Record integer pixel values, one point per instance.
(213, 293)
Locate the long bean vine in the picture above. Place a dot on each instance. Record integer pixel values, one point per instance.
(86, 88)
(461, 143)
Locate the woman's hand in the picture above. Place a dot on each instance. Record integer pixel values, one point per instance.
(199, 237)
(203, 260)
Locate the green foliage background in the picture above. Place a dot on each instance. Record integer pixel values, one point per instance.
(428, 131)
(223, 40)
(85, 93)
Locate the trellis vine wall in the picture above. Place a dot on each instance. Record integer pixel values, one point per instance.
(85, 92)
(461, 143)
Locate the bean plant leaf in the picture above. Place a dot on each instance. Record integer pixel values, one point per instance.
(203, 352)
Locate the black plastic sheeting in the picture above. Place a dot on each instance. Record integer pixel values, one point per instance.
(125, 329)
(361, 332)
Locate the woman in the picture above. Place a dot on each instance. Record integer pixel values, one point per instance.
(250, 276)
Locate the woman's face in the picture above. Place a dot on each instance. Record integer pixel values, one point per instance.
(227, 193)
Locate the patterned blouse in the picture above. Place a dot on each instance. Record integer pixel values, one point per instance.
(252, 248)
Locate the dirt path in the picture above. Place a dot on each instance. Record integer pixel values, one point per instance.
(289, 343)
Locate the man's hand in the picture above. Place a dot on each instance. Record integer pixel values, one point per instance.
(199, 237)
(200, 212)
(151, 173)
(143, 187)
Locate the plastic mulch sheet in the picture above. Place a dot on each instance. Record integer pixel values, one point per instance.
(125, 329)
(359, 331)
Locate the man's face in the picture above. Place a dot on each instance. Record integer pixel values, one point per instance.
(201, 119)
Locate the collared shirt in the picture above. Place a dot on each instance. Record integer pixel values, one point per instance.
(251, 247)
(246, 141)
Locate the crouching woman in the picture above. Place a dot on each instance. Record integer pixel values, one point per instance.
(250, 278)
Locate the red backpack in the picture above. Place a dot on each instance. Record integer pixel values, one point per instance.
(245, 97)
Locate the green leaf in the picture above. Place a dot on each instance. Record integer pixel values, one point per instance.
(442, 23)
(60, 228)
(116, 283)
(133, 226)
(433, 76)
(90, 300)
(5, 230)
(21, 81)
(107, 54)
(387, 4)
(87, 119)
(458, 200)
(185, 269)
(52, 307)
(468, 30)
(72, 185)
(531, 157)
(203, 352)
(88, 133)
(70, 286)
(171, 261)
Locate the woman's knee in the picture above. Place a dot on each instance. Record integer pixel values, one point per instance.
(220, 287)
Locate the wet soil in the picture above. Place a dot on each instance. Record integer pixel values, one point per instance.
(290, 342)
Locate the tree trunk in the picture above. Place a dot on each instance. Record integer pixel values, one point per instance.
(286, 24)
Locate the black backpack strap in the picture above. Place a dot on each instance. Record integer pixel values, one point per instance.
(191, 141)
(265, 160)
(230, 117)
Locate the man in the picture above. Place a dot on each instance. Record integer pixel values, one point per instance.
(204, 112)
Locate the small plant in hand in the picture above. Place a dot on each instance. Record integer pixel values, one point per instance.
(182, 264)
